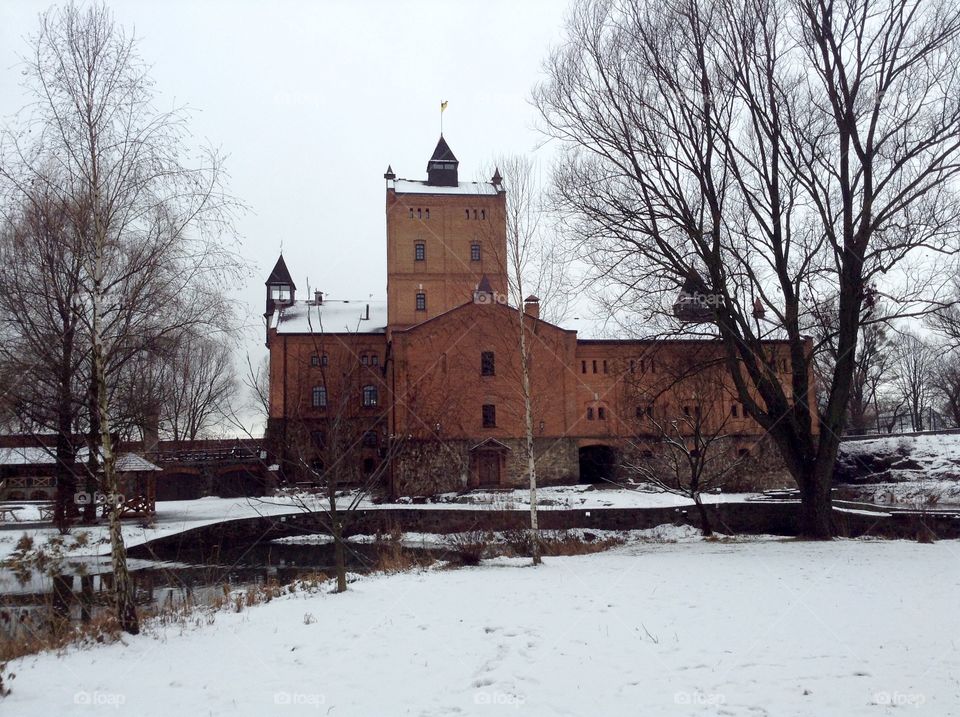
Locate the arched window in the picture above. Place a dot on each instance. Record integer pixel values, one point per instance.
(370, 396)
(483, 213)
(319, 397)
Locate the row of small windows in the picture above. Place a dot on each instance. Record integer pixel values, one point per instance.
(420, 251)
(424, 213)
(646, 411)
(370, 396)
(598, 365)
(600, 412)
(365, 360)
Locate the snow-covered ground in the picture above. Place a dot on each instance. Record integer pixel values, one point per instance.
(601, 495)
(760, 627)
(920, 471)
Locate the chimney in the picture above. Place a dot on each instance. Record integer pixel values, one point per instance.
(366, 316)
(531, 306)
(318, 297)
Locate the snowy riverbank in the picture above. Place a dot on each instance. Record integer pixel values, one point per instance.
(758, 627)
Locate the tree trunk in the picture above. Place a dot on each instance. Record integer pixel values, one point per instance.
(528, 426)
(86, 598)
(123, 590)
(339, 556)
(816, 510)
(704, 515)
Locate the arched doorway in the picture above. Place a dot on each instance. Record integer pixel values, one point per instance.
(597, 464)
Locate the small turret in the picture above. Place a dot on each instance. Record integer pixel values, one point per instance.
(281, 291)
(442, 167)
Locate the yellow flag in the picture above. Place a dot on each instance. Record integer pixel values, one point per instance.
(443, 105)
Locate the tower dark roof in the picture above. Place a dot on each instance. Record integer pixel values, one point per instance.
(280, 274)
(442, 167)
(484, 286)
(443, 153)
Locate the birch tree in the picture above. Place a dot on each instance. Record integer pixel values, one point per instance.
(147, 208)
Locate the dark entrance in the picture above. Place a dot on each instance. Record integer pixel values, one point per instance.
(488, 468)
(597, 464)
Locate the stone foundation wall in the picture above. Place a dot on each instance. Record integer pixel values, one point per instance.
(763, 469)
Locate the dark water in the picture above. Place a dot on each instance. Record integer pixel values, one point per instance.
(196, 576)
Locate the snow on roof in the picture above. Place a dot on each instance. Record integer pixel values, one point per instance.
(413, 186)
(25, 455)
(331, 317)
(37, 455)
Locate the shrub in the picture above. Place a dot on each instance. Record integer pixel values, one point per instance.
(470, 547)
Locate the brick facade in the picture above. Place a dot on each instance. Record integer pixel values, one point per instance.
(449, 410)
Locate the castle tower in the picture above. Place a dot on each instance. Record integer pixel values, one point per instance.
(443, 236)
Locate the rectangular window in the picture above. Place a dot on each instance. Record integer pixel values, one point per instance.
(370, 396)
(646, 410)
(365, 360)
(474, 252)
(419, 251)
(489, 412)
(686, 410)
(487, 364)
(280, 292)
(314, 360)
(583, 367)
(370, 439)
(375, 360)
(633, 365)
(421, 301)
(594, 365)
(734, 411)
(601, 413)
(324, 360)
(319, 397)
(589, 413)
(604, 365)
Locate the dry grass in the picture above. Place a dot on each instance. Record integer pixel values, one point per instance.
(392, 557)
(33, 635)
(470, 547)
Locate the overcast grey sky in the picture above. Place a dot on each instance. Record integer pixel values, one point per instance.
(312, 100)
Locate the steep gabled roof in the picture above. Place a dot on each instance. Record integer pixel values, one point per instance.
(443, 153)
(280, 274)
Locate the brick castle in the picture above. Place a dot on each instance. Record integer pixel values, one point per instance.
(424, 390)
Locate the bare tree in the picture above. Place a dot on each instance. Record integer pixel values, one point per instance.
(531, 266)
(778, 153)
(200, 382)
(147, 224)
(915, 360)
(43, 348)
(945, 383)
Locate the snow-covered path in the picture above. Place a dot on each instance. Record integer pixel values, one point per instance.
(695, 628)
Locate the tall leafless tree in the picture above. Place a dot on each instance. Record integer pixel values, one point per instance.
(148, 223)
(915, 359)
(777, 153)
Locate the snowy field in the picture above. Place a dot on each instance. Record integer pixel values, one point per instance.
(758, 627)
